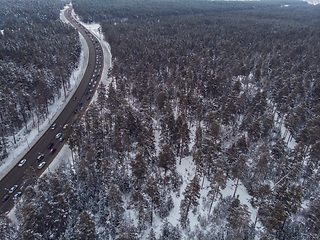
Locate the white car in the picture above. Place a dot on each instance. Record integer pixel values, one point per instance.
(65, 126)
(54, 126)
(58, 135)
(17, 195)
(13, 188)
(40, 157)
(22, 162)
(41, 165)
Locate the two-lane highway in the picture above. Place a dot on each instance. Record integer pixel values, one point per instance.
(51, 142)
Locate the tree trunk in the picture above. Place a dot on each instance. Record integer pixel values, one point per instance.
(235, 190)
(187, 212)
(181, 147)
(255, 221)
(165, 175)
(213, 197)
(14, 136)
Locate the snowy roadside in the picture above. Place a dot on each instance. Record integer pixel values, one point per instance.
(65, 153)
(26, 138)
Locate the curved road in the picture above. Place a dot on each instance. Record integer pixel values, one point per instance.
(78, 102)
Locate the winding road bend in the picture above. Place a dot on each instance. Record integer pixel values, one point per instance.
(51, 139)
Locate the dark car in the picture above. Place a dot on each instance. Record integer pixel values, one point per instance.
(50, 145)
(80, 103)
(5, 198)
(53, 150)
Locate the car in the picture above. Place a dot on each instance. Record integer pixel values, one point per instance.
(53, 150)
(75, 98)
(88, 98)
(40, 157)
(58, 135)
(41, 165)
(5, 198)
(80, 103)
(65, 126)
(61, 139)
(17, 195)
(75, 111)
(13, 188)
(50, 145)
(22, 162)
(86, 93)
(54, 126)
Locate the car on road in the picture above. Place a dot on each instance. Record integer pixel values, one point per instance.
(50, 145)
(40, 157)
(5, 198)
(13, 188)
(22, 162)
(17, 195)
(61, 139)
(65, 126)
(41, 165)
(75, 98)
(88, 98)
(54, 126)
(58, 135)
(80, 103)
(53, 150)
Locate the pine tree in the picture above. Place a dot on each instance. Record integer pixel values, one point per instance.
(7, 230)
(191, 197)
(153, 192)
(218, 182)
(85, 228)
(115, 204)
(238, 219)
(166, 160)
(139, 168)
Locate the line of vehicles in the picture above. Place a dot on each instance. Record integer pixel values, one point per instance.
(40, 159)
(16, 191)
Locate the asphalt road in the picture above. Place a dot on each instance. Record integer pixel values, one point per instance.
(76, 106)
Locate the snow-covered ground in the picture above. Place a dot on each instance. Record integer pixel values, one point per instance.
(312, 2)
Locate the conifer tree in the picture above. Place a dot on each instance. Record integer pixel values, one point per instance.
(166, 160)
(85, 228)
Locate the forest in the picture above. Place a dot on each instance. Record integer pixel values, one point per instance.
(224, 87)
(37, 56)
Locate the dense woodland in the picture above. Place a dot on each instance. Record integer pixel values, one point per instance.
(207, 83)
(37, 55)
